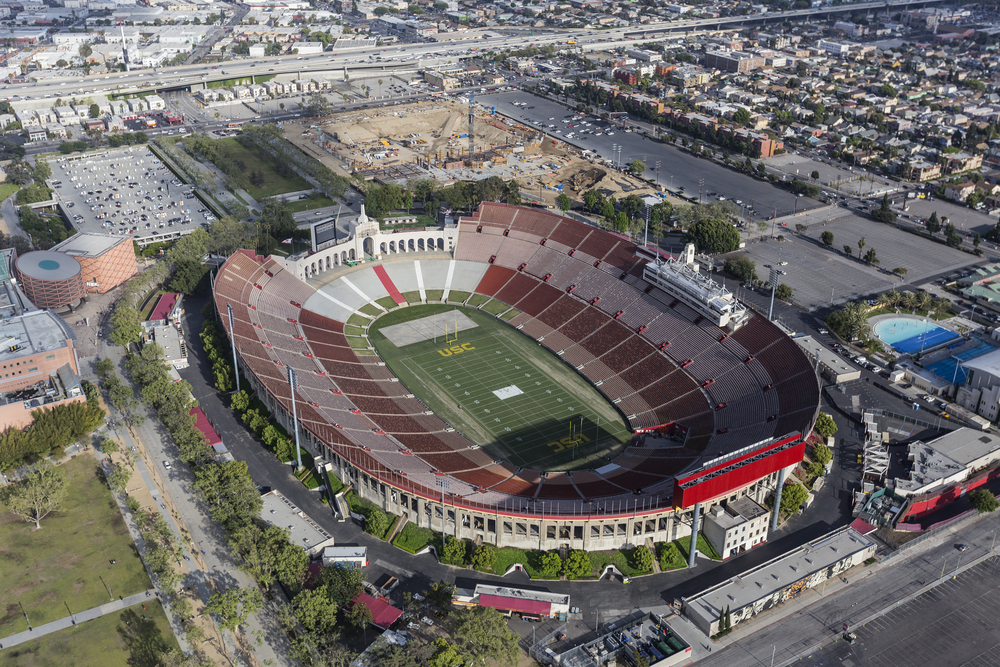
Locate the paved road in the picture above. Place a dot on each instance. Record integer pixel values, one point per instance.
(219, 570)
(78, 617)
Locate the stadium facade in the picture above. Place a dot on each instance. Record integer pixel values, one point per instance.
(715, 394)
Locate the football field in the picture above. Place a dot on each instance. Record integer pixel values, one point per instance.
(506, 392)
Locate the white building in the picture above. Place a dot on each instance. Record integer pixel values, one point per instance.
(950, 459)
(834, 48)
(308, 48)
(355, 557)
(981, 390)
(739, 526)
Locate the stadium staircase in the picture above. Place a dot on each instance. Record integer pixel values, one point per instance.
(396, 529)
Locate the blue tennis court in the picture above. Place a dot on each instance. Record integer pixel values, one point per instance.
(945, 368)
(908, 335)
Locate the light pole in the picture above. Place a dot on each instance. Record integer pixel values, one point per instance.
(445, 484)
(774, 282)
(292, 384)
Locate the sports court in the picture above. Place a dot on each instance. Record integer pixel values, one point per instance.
(503, 390)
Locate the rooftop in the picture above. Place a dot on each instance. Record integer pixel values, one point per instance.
(966, 446)
(281, 512)
(760, 582)
(523, 594)
(48, 265)
(33, 333)
(84, 244)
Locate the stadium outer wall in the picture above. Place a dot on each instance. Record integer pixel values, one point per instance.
(524, 527)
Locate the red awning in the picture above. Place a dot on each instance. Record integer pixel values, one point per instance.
(515, 604)
(202, 425)
(383, 613)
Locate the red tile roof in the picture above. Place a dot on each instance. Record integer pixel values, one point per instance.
(383, 613)
(515, 604)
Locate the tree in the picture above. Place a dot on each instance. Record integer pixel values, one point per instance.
(318, 105)
(884, 213)
(984, 501)
(268, 554)
(827, 238)
(358, 615)
(825, 426)
(232, 496)
(814, 175)
(741, 117)
(741, 267)
(484, 558)
(187, 275)
(642, 559)
(900, 271)
(637, 167)
(848, 250)
(783, 292)
(453, 551)
(125, 325)
(233, 607)
(481, 634)
(240, 401)
(376, 523)
(37, 495)
(714, 236)
(933, 223)
(85, 51)
(19, 172)
(108, 445)
(821, 454)
(577, 565)
(94, 111)
(871, 258)
(445, 655)
(550, 563)
(792, 497)
(563, 201)
(315, 610)
(119, 477)
(342, 584)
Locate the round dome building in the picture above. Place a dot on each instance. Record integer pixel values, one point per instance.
(50, 279)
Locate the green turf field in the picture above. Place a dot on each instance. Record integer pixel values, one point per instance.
(546, 415)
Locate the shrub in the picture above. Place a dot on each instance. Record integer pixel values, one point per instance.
(642, 559)
(484, 558)
(578, 565)
(825, 426)
(376, 523)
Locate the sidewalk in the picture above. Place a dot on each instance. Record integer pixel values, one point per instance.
(79, 617)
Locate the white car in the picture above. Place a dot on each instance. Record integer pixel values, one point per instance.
(166, 464)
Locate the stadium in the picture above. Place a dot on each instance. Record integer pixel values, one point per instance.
(522, 378)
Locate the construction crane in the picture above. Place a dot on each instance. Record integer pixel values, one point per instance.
(472, 123)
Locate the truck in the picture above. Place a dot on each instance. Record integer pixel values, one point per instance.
(386, 583)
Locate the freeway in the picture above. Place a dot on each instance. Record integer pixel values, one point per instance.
(413, 56)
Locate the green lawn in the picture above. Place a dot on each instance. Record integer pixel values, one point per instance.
(274, 183)
(65, 561)
(7, 189)
(311, 202)
(683, 546)
(546, 416)
(121, 639)
(413, 538)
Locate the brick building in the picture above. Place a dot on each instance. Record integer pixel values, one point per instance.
(733, 61)
(105, 261)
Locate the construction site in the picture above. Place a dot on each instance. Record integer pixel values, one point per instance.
(432, 140)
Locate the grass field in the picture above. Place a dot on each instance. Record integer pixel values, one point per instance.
(274, 183)
(505, 392)
(64, 562)
(309, 203)
(121, 639)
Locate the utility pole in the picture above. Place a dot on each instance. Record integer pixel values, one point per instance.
(232, 338)
(701, 190)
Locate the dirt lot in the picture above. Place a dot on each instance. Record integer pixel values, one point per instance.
(407, 134)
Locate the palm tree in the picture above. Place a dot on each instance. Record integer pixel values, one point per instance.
(888, 299)
(924, 300)
(856, 320)
(380, 87)
(908, 300)
(861, 245)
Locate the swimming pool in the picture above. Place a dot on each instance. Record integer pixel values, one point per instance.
(909, 334)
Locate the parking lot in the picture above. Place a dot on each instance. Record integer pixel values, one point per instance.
(852, 180)
(820, 275)
(126, 191)
(950, 625)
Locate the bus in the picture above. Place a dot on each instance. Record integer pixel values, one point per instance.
(235, 124)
